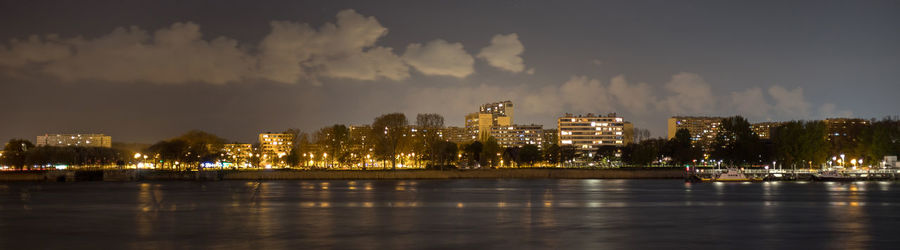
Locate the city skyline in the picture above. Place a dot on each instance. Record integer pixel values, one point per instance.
(644, 61)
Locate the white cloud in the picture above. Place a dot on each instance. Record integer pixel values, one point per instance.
(504, 52)
(369, 65)
(635, 98)
(789, 103)
(292, 52)
(751, 103)
(441, 58)
(34, 50)
(585, 95)
(691, 95)
(171, 55)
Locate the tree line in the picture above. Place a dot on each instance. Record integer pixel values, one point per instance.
(392, 141)
(22, 154)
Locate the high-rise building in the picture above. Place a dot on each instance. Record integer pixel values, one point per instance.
(764, 129)
(78, 140)
(589, 132)
(479, 124)
(518, 135)
(503, 109)
(703, 129)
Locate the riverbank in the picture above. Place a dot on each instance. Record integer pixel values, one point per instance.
(215, 175)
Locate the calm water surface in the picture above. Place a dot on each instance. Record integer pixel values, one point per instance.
(446, 214)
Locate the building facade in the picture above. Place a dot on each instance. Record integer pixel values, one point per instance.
(844, 127)
(764, 129)
(703, 129)
(518, 135)
(843, 133)
(589, 132)
(479, 124)
(237, 154)
(77, 140)
(456, 135)
(499, 109)
(274, 146)
(550, 136)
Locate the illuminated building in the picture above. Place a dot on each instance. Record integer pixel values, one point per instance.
(238, 154)
(764, 129)
(518, 135)
(78, 140)
(842, 133)
(843, 127)
(703, 129)
(499, 110)
(479, 124)
(274, 146)
(456, 135)
(589, 132)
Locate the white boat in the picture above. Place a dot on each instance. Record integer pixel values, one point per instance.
(730, 175)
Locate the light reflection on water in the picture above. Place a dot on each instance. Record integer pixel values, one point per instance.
(557, 214)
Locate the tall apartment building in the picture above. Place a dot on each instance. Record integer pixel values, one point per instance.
(499, 109)
(703, 129)
(479, 124)
(764, 129)
(518, 135)
(78, 140)
(589, 132)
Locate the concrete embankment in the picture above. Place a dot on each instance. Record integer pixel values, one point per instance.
(156, 175)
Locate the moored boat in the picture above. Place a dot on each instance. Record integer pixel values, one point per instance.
(730, 175)
(833, 176)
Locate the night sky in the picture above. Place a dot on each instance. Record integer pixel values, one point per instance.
(143, 71)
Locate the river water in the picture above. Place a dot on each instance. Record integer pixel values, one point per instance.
(449, 214)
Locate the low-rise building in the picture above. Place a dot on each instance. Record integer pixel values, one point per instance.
(77, 140)
(237, 154)
(456, 135)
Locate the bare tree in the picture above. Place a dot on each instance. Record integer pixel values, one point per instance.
(387, 130)
(429, 126)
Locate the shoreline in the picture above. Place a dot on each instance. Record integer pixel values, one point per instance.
(219, 175)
